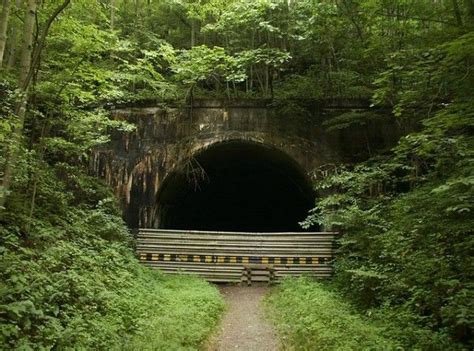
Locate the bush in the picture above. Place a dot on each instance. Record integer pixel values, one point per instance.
(76, 284)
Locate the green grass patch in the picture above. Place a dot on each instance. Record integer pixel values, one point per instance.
(181, 312)
(310, 317)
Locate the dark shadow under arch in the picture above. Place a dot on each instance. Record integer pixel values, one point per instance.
(236, 186)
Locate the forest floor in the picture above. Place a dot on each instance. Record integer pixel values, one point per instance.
(243, 326)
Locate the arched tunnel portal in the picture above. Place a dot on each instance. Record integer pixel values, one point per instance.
(236, 186)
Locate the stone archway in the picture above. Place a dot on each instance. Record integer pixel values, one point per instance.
(139, 164)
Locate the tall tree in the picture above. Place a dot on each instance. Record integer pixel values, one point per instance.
(10, 59)
(28, 62)
(20, 108)
(4, 27)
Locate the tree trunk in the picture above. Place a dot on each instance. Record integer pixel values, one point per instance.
(457, 12)
(112, 14)
(4, 27)
(251, 78)
(470, 12)
(27, 65)
(12, 46)
(41, 43)
(285, 25)
(20, 108)
(27, 44)
(193, 32)
(267, 80)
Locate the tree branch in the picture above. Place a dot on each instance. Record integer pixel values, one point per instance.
(41, 43)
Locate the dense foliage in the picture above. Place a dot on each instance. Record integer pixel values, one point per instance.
(70, 279)
(406, 214)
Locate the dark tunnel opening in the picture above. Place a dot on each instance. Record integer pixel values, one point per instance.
(237, 186)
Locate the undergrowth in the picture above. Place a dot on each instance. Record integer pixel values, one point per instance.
(309, 315)
(72, 282)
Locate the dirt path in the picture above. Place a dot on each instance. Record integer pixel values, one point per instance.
(243, 326)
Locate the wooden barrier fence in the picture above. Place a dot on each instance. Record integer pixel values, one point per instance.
(237, 256)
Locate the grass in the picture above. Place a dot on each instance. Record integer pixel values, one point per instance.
(310, 317)
(180, 313)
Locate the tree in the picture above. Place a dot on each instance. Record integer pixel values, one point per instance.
(28, 62)
(4, 17)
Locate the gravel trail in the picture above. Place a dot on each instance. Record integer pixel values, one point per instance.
(243, 326)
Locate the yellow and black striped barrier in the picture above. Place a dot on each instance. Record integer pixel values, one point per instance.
(231, 259)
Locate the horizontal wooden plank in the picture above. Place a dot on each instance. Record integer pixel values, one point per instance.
(237, 252)
(278, 269)
(237, 237)
(223, 277)
(225, 242)
(151, 230)
(246, 244)
(237, 248)
(229, 243)
(240, 268)
(243, 243)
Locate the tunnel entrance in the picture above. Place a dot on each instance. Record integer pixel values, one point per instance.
(236, 186)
